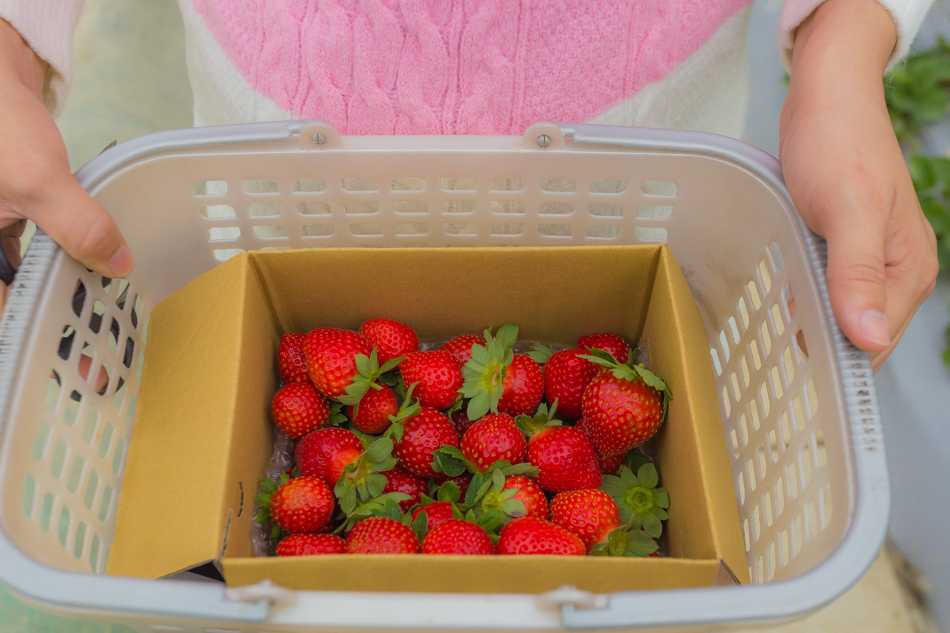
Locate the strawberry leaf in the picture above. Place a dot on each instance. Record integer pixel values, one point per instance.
(624, 541)
(491, 520)
(420, 525)
(480, 404)
(449, 491)
(507, 335)
(640, 502)
(268, 485)
(541, 353)
(450, 461)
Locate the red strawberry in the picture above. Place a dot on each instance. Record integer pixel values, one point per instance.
(623, 407)
(381, 535)
(436, 512)
(590, 514)
(291, 360)
(457, 536)
(607, 465)
(460, 420)
(301, 505)
(566, 375)
(462, 481)
(531, 535)
(372, 413)
(522, 387)
(565, 458)
(422, 434)
(399, 480)
(492, 438)
(613, 344)
(310, 545)
(298, 409)
(530, 494)
(461, 346)
(325, 452)
(391, 338)
(331, 359)
(438, 374)
(486, 379)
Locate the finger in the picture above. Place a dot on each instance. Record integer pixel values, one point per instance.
(82, 227)
(857, 282)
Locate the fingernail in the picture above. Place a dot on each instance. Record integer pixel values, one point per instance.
(874, 326)
(121, 263)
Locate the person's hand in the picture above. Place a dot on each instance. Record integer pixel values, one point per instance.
(847, 176)
(35, 179)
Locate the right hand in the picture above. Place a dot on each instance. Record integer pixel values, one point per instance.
(35, 179)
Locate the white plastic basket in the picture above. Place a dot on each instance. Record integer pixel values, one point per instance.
(805, 436)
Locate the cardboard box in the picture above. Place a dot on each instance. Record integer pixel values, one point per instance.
(203, 433)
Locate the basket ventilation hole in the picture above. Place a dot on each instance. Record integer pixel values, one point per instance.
(765, 276)
(122, 294)
(654, 211)
(556, 208)
(600, 210)
(223, 233)
(743, 313)
(271, 231)
(46, 511)
(419, 207)
(63, 528)
(79, 298)
(658, 187)
(224, 254)
(217, 211)
(317, 230)
(79, 540)
(53, 388)
(75, 474)
(507, 184)
(359, 184)
(754, 295)
(715, 359)
(92, 486)
(211, 187)
(408, 184)
(510, 207)
(603, 232)
(259, 185)
(608, 186)
(265, 209)
(114, 336)
(777, 260)
(361, 207)
(650, 234)
(310, 185)
(58, 458)
(558, 185)
(313, 208)
(95, 319)
(29, 496)
(555, 230)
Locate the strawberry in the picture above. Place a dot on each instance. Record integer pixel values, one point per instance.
(485, 373)
(462, 482)
(381, 535)
(400, 480)
(492, 438)
(607, 465)
(331, 359)
(460, 419)
(590, 514)
(310, 544)
(613, 344)
(531, 535)
(437, 377)
(522, 387)
(436, 512)
(391, 338)
(642, 505)
(301, 505)
(324, 453)
(564, 455)
(461, 346)
(372, 413)
(528, 492)
(623, 406)
(291, 360)
(298, 409)
(419, 436)
(457, 536)
(566, 376)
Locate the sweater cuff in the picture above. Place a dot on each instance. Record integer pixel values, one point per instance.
(47, 26)
(908, 16)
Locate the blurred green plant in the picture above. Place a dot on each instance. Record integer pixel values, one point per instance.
(918, 95)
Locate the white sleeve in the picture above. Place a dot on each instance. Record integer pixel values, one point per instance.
(908, 15)
(47, 26)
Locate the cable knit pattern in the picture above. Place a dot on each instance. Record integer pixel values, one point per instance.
(456, 66)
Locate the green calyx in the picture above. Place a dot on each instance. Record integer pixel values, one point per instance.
(267, 489)
(490, 505)
(484, 373)
(641, 503)
(408, 409)
(626, 541)
(542, 418)
(360, 489)
(369, 373)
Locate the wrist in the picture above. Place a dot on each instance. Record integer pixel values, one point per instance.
(19, 62)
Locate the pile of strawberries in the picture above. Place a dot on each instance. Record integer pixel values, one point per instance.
(481, 445)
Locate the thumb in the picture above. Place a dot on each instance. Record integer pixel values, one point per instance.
(857, 283)
(82, 227)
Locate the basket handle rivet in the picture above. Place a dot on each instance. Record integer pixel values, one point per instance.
(544, 140)
(319, 139)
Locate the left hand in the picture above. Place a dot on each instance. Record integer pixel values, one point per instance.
(847, 176)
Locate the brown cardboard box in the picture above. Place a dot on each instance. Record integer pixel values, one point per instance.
(203, 433)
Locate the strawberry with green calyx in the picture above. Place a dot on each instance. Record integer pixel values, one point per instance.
(641, 503)
(591, 514)
(491, 438)
(420, 436)
(413, 486)
(607, 465)
(458, 537)
(566, 376)
(326, 452)
(564, 455)
(623, 406)
(626, 541)
(331, 358)
(302, 505)
(368, 373)
(613, 344)
(390, 337)
(363, 480)
(461, 346)
(382, 535)
(492, 502)
(437, 377)
(484, 373)
(373, 414)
